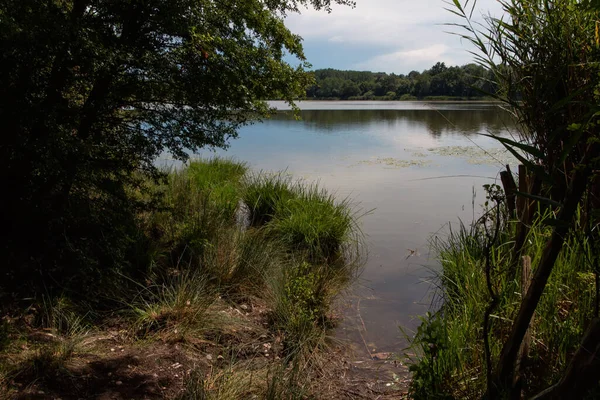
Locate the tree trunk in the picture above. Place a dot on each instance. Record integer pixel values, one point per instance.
(583, 372)
(553, 247)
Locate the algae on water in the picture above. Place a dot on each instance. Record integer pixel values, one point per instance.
(473, 155)
(476, 155)
(395, 162)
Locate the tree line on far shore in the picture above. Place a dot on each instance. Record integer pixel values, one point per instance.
(440, 81)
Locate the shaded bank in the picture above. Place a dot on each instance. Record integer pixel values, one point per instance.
(228, 311)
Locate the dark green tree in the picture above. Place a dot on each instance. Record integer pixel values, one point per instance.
(92, 91)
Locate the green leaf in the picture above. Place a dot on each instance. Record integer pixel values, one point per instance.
(525, 147)
(541, 199)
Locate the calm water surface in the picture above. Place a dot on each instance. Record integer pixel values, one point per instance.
(404, 160)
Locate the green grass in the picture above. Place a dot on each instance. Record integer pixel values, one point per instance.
(46, 357)
(301, 250)
(315, 222)
(304, 216)
(194, 272)
(176, 305)
(265, 193)
(245, 381)
(302, 297)
(220, 178)
(448, 346)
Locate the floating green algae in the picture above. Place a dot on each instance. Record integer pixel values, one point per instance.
(476, 155)
(395, 162)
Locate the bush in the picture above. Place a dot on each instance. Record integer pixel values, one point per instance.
(265, 193)
(454, 333)
(314, 222)
(302, 294)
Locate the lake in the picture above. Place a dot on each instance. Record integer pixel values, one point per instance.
(417, 165)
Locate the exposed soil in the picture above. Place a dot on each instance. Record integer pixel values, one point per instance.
(111, 364)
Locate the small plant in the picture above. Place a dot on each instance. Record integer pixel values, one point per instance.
(265, 193)
(314, 222)
(179, 303)
(303, 293)
(429, 372)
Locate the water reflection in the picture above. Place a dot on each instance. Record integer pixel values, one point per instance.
(437, 122)
(411, 204)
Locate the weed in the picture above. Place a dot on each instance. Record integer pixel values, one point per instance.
(449, 343)
(179, 303)
(302, 295)
(265, 193)
(315, 222)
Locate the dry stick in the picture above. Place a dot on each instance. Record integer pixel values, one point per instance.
(494, 297)
(553, 247)
(364, 327)
(583, 371)
(510, 188)
(525, 211)
(524, 350)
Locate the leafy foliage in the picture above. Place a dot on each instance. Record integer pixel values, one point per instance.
(448, 345)
(92, 91)
(468, 81)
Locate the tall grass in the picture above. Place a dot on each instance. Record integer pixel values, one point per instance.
(315, 222)
(245, 381)
(304, 216)
(264, 193)
(302, 249)
(219, 385)
(176, 305)
(448, 346)
(194, 269)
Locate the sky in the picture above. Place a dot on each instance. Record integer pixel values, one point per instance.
(385, 35)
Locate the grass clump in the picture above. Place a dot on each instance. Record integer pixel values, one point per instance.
(245, 380)
(229, 383)
(220, 179)
(449, 361)
(305, 217)
(314, 223)
(265, 193)
(198, 277)
(178, 304)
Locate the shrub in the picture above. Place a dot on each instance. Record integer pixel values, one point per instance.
(265, 193)
(314, 222)
(454, 333)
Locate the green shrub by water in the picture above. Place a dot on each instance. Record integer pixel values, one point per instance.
(290, 255)
(190, 263)
(314, 222)
(448, 346)
(265, 193)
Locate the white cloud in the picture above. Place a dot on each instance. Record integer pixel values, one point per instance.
(411, 31)
(407, 60)
(336, 39)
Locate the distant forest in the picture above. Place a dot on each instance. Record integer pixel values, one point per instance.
(439, 82)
